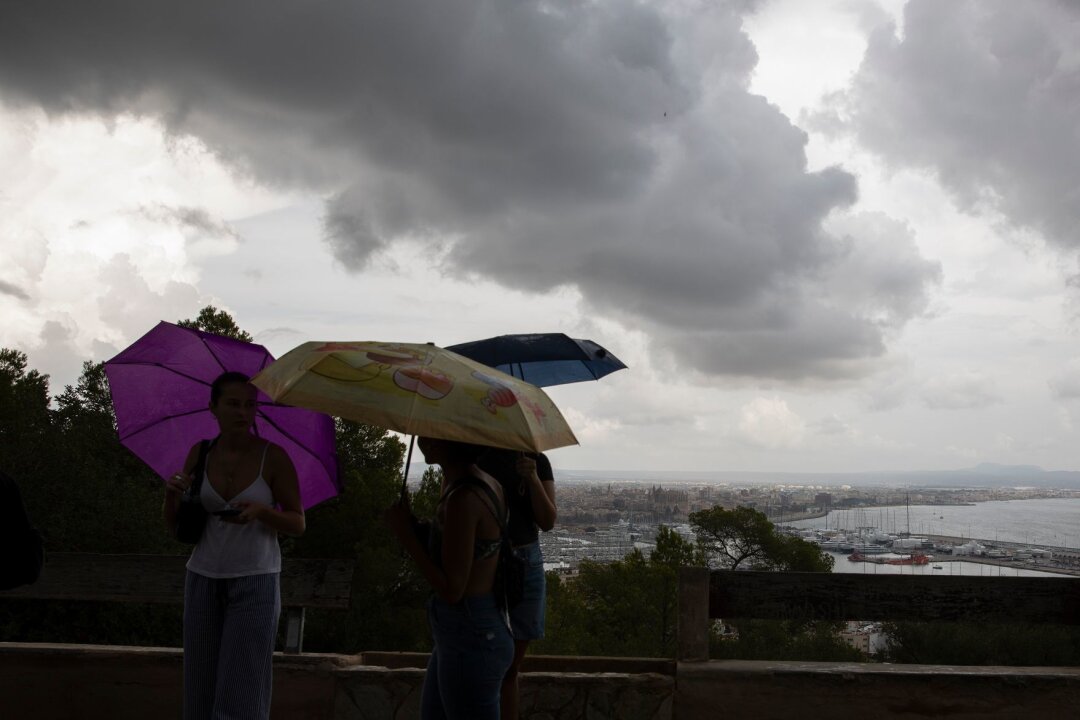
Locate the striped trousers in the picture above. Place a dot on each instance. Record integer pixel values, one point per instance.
(230, 625)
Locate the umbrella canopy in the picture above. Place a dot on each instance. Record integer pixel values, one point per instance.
(417, 390)
(543, 359)
(161, 391)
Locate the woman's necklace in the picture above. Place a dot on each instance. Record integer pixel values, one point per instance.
(228, 470)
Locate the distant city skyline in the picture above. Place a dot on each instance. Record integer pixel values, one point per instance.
(826, 237)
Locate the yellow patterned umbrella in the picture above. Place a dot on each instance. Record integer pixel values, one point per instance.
(418, 390)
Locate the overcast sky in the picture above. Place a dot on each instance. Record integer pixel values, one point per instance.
(835, 235)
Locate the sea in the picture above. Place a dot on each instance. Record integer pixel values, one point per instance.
(1039, 523)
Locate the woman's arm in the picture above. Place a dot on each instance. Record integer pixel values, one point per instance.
(458, 537)
(541, 490)
(175, 486)
(281, 476)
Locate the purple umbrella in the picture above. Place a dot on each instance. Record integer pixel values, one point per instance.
(161, 390)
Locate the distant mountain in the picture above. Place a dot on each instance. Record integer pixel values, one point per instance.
(984, 475)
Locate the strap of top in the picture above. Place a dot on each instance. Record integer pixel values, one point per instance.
(263, 463)
(493, 499)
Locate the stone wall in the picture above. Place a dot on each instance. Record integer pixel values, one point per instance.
(84, 682)
(764, 690)
(47, 681)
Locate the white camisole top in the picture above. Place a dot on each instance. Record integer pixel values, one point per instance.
(230, 550)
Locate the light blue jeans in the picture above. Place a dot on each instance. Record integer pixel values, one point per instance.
(527, 617)
(473, 650)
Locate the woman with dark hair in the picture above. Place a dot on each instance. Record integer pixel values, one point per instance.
(529, 487)
(231, 595)
(473, 647)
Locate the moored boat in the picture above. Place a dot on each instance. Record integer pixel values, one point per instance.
(912, 559)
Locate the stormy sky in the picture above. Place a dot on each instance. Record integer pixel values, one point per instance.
(825, 236)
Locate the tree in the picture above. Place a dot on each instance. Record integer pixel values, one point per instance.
(215, 321)
(103, 479)
(784, 640)
(624, 608)
(388, 596)
(426, 498)
(745, 536)
(26, 433)
(955, 643)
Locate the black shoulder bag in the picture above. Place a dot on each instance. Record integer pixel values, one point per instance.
(190, 514)
(509, 587)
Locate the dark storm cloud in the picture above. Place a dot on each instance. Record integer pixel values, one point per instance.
(190, 219)
(13, 290)
(987, 94)
(610, 146)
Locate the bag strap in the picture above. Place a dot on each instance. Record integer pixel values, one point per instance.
(491, 505)
(200, 465)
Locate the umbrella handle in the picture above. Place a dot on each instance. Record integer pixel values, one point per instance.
(405, 472)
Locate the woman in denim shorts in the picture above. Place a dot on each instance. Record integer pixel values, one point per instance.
(529, 487)
(473, 645)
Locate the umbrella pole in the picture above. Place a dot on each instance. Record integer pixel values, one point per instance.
(405, 472)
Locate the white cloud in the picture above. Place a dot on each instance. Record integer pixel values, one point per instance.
(984, 93)
(960, 391)
(100, 237)
(769, 422)
(1066, 385)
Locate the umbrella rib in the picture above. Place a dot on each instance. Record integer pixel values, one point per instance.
(158, 421)
(300, 445)
(166, 368)
(213, 354)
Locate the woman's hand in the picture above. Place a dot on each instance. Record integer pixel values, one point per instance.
(526, 468)
(175, 486)
(249, 511)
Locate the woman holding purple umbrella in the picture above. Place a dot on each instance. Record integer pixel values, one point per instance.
(231, 595)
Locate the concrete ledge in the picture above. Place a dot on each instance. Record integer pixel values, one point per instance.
(539, 663)
(765, 690)
(47, 681)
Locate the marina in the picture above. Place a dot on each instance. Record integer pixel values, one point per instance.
(998, 551)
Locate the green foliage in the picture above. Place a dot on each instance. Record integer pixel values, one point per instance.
(215, 321)
(426, 498)
(106, 500)
(27, 438)
(85, 493)
(744, 537)
(387, 611)
(783, 640)
(623, 608)
(982, 644)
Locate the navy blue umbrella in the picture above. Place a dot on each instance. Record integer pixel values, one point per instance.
(542, 359)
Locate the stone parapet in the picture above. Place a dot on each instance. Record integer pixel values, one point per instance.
(763, 690)
(55, 681)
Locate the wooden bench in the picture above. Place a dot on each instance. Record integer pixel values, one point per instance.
(742, 594)
(305, 583)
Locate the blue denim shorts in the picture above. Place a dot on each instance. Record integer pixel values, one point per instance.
(473, 650)
(527, 617)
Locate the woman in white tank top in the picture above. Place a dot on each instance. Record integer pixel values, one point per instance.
(231, 595)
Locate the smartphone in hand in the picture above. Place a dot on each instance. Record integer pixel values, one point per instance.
(227, 512)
